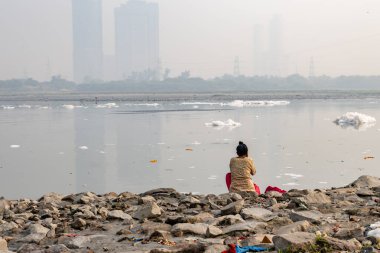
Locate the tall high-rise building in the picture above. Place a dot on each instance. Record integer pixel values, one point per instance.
(137, 40)
(87, 40)
(275, 46)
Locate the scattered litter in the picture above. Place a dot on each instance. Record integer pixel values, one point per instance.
(189, 149)
(166, 242)
(375, 225)
(153, 161)
(14, 146)
(375, 233)
(83, 147)
(368, 157)
(356, 120)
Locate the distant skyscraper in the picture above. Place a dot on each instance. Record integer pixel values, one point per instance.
(275, 46)
(259, 61)
(137, 39)
(87, 39)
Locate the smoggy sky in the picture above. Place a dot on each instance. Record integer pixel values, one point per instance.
(203, 36)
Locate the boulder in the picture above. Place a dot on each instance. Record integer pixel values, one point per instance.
(316, 198)
(257, 213)
(59, 248)
(8, 226)
(160, 191)
(227, 220)
(233, 208)
(147, 199)
(213, 231)
(51, 197)
(33, 238)
(313, 216)
(37, 229)
(3, 245)
(148, 210)
(366, 182)
(188, 228)
(293, 240)
(79, 223)
(351, 245)
(74, 242)
(299, 226)
(252, 226)
(118, 214)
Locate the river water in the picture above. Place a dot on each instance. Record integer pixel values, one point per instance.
(137, 146)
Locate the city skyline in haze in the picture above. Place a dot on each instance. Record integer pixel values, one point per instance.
(204, 37)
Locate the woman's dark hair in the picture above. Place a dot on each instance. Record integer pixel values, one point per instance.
(242, 149)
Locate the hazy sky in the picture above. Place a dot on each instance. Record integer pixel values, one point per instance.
(203, 36)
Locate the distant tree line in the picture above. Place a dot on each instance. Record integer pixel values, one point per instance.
(186, 83)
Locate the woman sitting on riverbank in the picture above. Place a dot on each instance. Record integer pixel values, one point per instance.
(242, 168)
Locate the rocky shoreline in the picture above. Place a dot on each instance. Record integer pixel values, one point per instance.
(343, 219)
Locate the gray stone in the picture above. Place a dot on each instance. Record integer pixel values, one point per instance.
(37, 229)
(366, 182)
(160, 191)
(8, 226)
(148, 210)
(257, 213)
(316, 198)
(147, 199)
(227, 220)
(213, 231)
(59, 248)
(233, 196)
(351, 245)
(188, 228)
(251, 226)
(233, 208)
(299, 226)
(79, 223)
(33, 238)
(216, 248)
(3, 245)
(118, 214)
(51, 197)
(293, 240)
(75, 242)
(313, 216)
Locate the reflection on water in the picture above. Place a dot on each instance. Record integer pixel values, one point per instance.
(136, 147)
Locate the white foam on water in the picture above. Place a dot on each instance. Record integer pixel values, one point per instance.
(212, 177)
(69, 107)
(375, 233)
(278, 176)
(180, 179)
(102, 152)
(25, 106)
(61, 153)
(356, 120)
(288, 167)
(292, 175)
(262, 103)
(8, 107)
(192, 167)
(83, 147)
(290, 184)
(200, 103)
(161, 143)
(107, 105)
(218, 124)
(196, 143)
(195, 106)
(14, 146)
(323, 182)
(144, 104)
(43, 107)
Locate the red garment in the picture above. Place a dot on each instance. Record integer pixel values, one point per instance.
(274, 188)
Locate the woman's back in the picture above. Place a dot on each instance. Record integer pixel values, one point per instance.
(241, 170)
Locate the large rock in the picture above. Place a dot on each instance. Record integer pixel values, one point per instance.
(316, 198)
(213, 231)
(233, 208)
(148, 210)
(160, 191)
(313, 216)
(60, 248)
(51, 197)
(188, 228)
(257, 213)
(3, 245)
(227, 220)
(74, 242)
(366, 182)
(294, 240)
(37, 229)
(33, 238)
(8, 226)
(351, 245)
(299, 226)
(251, 226)
(118, 214)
